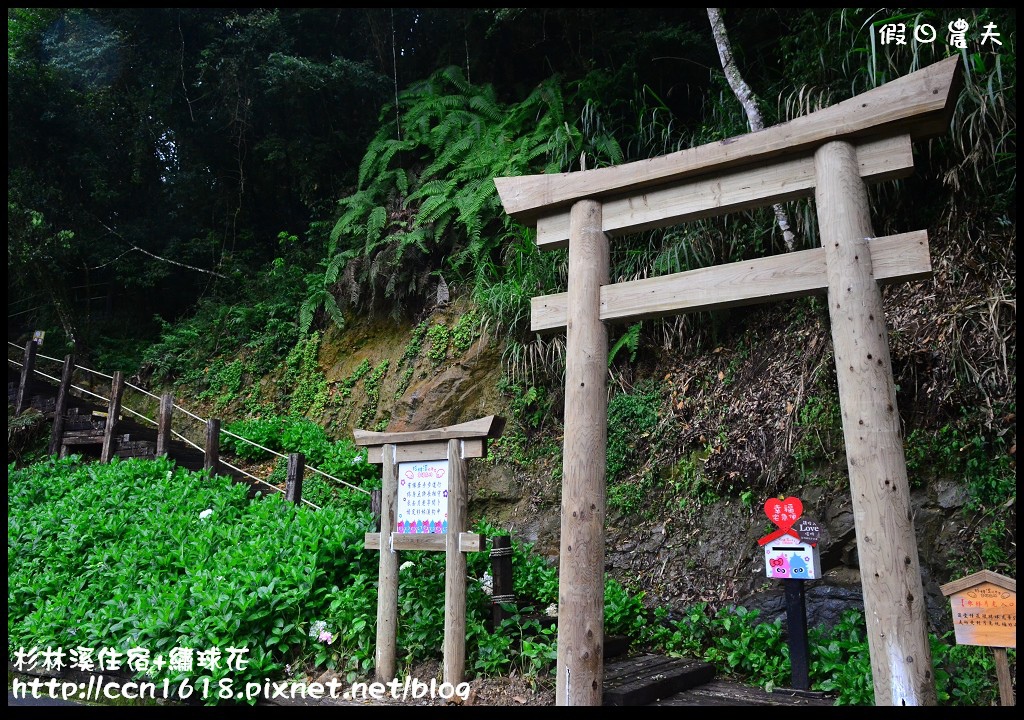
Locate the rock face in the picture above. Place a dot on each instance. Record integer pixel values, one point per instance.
(714, 557)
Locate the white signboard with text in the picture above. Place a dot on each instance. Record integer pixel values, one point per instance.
(422, 497)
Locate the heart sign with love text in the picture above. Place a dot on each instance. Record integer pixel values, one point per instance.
(784, 512)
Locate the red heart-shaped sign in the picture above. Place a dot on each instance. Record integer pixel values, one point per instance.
(784, 512)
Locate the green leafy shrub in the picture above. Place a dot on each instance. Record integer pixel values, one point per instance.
(141, 553)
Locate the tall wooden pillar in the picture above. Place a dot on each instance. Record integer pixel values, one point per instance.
(387, 578)
(581, 561)
(894, 601)
(455, 568)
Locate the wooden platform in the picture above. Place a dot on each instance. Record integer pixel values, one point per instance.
(724, 692)
(644, 679)
(657, 680)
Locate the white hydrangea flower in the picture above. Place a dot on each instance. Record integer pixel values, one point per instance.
(552, 610)
(206, 513)
(487, 583)
(316, 628)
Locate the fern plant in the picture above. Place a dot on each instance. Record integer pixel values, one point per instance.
(320, 294)
(426, 201)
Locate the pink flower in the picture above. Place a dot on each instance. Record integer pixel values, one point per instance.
(326, 637)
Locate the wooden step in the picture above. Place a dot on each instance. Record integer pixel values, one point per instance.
(644, 679)
(128, 448)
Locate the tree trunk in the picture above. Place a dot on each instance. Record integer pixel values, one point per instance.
(746, 97)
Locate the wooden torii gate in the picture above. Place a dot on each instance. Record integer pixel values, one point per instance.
(830, 153)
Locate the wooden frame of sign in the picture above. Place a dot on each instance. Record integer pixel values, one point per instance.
(454, 444)
(829, 154)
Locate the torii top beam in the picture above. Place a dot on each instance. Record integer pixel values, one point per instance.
(919, 104)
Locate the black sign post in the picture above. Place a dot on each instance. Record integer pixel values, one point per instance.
(796, 621)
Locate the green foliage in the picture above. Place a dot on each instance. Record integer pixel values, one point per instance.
(426, 193)
(346, 385)
(982, 463)
(372, 387)
(629, 340)
(27, 435)
(465, 331)
(632, 418)
(969, 673)
(528, 407)
(319, 294)
(840, 663)
(126, 555)
(748, 648)
(304, 378)
(265, 431)
(821, 431)
(624, 612)
(439, 336)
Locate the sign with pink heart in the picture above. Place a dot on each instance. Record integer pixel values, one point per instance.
(784, 512)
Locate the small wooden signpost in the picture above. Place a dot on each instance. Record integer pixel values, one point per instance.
(423, 507)
(984, 607)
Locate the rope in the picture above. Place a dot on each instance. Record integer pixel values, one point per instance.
(182, 437)
(179, 435)
(502, 599)
(191, 415)
(144, 392)
(94, 372)
(275, 488)
(340, 481)
(138, 414)
(47, 357)
(272, 452)
(500, 552)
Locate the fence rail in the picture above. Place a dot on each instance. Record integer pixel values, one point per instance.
(296, 463)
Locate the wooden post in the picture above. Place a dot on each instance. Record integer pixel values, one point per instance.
(113, 410)
(163, 427)
(1006, 698)
(387, 579)
(894, 601)
(502, 588)
(27, 366)
(580, 668)
(293, 483)
(61, 406)
(455, 568)
(211, 455)
(796, 626)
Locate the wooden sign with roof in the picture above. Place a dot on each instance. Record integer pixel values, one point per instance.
(429, 466)
(830, 154)
(984, 607)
